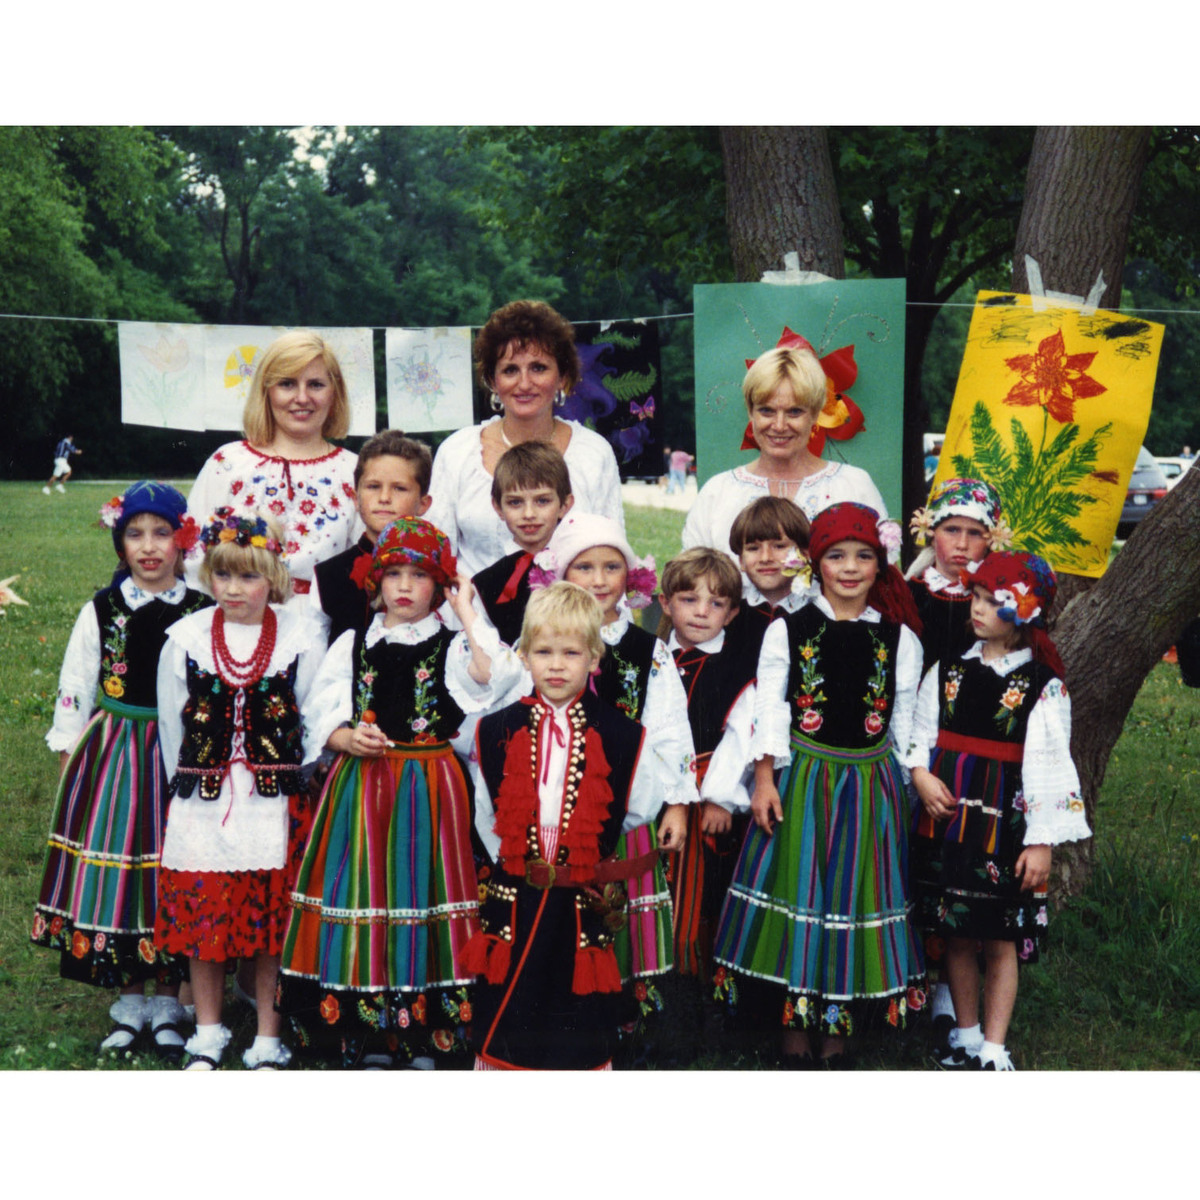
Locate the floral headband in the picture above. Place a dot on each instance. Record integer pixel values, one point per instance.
(1023, 583)
(226, 526)
(973, 498)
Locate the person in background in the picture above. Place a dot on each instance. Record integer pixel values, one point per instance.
(677, 469)
(63, 453)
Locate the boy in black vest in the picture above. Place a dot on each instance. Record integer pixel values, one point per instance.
(391, 480)
(531, 491)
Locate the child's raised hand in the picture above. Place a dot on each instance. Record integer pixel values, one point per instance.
(766, 807)
(715, 819)
(462, 595)
(937, 799)
(1033, 868)
(672, 829)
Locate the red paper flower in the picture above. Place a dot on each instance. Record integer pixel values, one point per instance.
(360, 570)
(188, 534)
(1052, 378)
(841, 418)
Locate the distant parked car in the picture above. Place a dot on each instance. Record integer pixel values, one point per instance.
(1147, 486)
(1173, 469)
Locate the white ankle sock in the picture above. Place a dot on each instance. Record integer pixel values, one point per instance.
(970, 1038)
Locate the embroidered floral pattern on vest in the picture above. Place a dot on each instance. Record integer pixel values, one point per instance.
(810, 697)
(876, 698)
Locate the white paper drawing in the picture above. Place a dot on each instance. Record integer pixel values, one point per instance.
(162, 370)
(429, 379)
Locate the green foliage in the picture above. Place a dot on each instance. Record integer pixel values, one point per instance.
(1039, 485)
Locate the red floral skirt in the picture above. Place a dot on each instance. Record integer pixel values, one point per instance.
(218, 915)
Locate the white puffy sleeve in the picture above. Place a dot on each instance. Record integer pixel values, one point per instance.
(909, 658)
(473, 697)
(595, 478)
(77, 681)
(730, 776)
(923, 733)
(772, 716)
(485, 812)
(172, 698)
(645, 790)
(443, 486)
(668, 732)
(1054, 810)
(329, 701)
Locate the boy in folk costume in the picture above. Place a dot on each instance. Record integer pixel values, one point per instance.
(558, 778)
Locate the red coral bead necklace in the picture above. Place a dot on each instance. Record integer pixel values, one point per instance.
(235, 672)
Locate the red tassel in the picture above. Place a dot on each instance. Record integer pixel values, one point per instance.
(596, 970)
(487, 955)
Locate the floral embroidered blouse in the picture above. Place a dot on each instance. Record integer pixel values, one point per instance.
(312, 500)
(1054, 811)
(81, 668)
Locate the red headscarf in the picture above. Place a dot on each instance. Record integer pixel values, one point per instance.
(849, 521)
(1025, 585)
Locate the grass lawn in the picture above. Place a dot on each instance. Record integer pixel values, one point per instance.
(1118, 985)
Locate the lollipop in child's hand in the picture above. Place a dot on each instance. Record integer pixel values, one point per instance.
(368, 718)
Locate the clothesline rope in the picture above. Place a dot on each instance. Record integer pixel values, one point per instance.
(683, 316)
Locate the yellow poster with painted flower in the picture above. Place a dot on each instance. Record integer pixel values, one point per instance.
(1050, 408)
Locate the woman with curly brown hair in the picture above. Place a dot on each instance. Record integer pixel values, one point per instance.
(526, 358)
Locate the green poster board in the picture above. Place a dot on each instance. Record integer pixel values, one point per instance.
(737, 321)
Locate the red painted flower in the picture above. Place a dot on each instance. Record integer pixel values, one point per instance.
(236, 486)
(916, 999)
(464, 1012)
(39, 925)
(56, 924)
(330, 1009)
(347, 491)
(804, 701)
(881, 704)
(1053, 379)
(80, 944)
(443, 1039)
(811, 722)
(146, 950)
(418, 1009)
(307, 507)
(873, 724)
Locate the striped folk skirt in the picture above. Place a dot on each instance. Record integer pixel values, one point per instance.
(96, 904)
(644, 948)
(815, 932)
(385, 900)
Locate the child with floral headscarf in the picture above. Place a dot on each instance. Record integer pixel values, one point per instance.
(990, 757)
(386, 896)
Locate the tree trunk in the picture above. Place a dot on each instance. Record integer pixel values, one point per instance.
(1080, 191)
(781, 196)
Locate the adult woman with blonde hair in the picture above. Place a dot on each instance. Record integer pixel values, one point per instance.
(526, 358)
(286, 468)
(784, 391)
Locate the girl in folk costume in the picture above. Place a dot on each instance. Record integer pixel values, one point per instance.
(97, 899)
(991, 761)
(636, 675)
(815, 931)
(958, 526)
(961, 523)
(558, 776)
(386, 897)
(231, 680)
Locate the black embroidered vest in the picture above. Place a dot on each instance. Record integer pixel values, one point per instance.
(405, 686)
(620, 737)
(976, 702)
(343, 601)
(946, 621)
(842, 682)
(625, 671)
(270, 720)
(490, 582)
(713, 683)
(131, 641)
